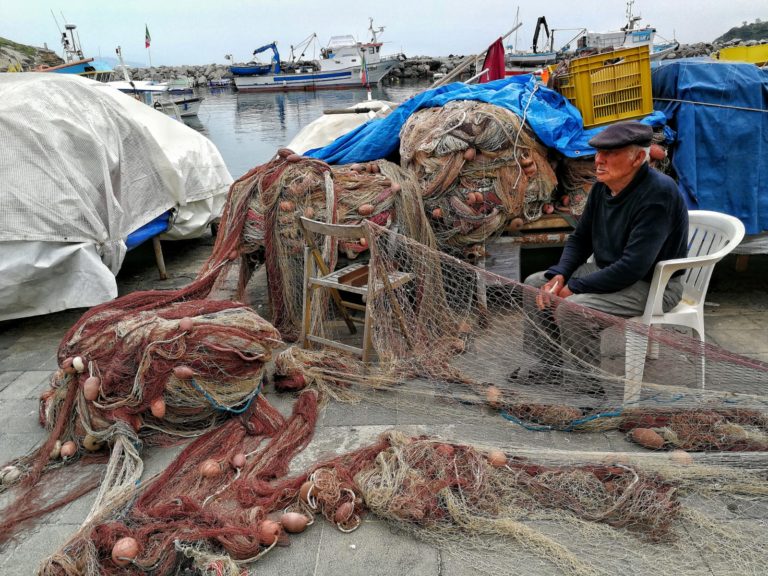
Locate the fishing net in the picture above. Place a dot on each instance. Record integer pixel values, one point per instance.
(549, 456)
(480, 168)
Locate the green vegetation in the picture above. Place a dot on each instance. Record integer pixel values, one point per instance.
(758, 30)
(30, 51)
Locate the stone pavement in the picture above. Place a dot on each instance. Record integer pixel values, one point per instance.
(737, 316)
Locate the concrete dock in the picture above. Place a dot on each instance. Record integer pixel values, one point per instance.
(736, 319)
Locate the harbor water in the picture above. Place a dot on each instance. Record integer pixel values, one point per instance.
(248, 128)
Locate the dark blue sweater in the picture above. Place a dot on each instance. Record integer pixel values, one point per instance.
(628, 233)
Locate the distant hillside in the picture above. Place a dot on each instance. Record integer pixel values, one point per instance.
(28, 57)
(758, 30)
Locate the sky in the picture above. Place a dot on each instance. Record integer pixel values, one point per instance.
(197, 32)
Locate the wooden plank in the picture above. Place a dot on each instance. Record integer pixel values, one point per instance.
(334, 344)
(546, 222)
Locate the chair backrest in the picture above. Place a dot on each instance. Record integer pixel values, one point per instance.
(346, 231)
(709, 234)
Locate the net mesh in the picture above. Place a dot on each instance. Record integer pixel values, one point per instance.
(541, 451)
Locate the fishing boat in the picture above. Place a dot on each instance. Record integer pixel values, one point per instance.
(586, 42)
(344, 63)
(629, 36)
(74, 60)
(160, 95)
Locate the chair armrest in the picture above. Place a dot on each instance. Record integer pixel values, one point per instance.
(662, 274)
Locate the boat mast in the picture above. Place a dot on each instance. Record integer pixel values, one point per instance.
(374, 31)
(71, 46)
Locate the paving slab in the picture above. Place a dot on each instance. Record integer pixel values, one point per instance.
(28, 356)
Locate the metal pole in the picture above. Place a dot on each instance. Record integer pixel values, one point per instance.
(466, 62)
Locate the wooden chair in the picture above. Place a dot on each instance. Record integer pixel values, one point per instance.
(357, 278)
(711, 236)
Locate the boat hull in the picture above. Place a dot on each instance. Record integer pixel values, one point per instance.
(327, 79)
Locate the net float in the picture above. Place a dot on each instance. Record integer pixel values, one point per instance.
(293, 158)
(457, 345)
(357, 167)
(306, 496)
(91, 387)
(9, 475)
(233, 255)
(647, 437)
(565, 200)
(125, 551)
(526, 162)
(445, 450)
(463, 327)
(285, 152)
(183, 372)
(497, 458)
(366, 209)
(287, 205)
(344, 512)
(309, 212)
(157, 407)
(237, 461)
(470, 154)
(210, 468)
(493, 396)
(91, 443)
(268, 532)
(548, 209)
(657, 152)
(516, 224)
(373, 168)
(78, 364)
(68, 449)
(437, 213)
(681, 457)
(364, 242)
(186, 324)
(294, 522)
(395, 188)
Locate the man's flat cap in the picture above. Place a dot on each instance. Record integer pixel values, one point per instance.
(623, 134)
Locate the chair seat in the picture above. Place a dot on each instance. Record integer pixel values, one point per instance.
(354, 278)
(684, 314)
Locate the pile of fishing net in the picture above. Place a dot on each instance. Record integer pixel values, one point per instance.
(480, 168)
(276, 194)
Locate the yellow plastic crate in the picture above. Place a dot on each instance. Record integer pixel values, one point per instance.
(609, 87)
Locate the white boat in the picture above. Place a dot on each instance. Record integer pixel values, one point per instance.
(160, 95)
(629, 36)
(345, 63)
(626, 37)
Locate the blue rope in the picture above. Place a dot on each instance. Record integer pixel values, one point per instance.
(547, 428)
(212, 401)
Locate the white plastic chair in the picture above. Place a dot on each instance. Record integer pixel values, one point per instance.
(711, 236)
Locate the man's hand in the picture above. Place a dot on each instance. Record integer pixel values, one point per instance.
(556, 286)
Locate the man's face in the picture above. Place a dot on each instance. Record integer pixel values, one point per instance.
(615, 168)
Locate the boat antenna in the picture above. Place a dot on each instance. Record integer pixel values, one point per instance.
(55, 20)
(517, 20)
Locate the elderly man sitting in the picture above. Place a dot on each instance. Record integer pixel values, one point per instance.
(634, 217)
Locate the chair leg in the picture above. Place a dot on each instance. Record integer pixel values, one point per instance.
(700, 333)
(367, 336)
(634, 363)
(306, 311)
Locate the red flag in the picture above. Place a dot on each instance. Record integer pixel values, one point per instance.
(494, 62)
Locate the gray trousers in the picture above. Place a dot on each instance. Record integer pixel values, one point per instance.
(573, 327)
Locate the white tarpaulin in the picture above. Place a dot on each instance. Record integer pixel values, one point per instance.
(83, 166)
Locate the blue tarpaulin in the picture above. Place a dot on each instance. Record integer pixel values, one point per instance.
(555, 121)
(720, 113)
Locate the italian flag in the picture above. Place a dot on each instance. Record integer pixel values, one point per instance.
(147, 37)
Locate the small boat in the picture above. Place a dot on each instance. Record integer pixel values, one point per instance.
(587, 43)
(626, 37)
(75, 62)
(345, 63)
(160, 95)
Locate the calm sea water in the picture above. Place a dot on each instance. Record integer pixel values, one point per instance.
(249, 128)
